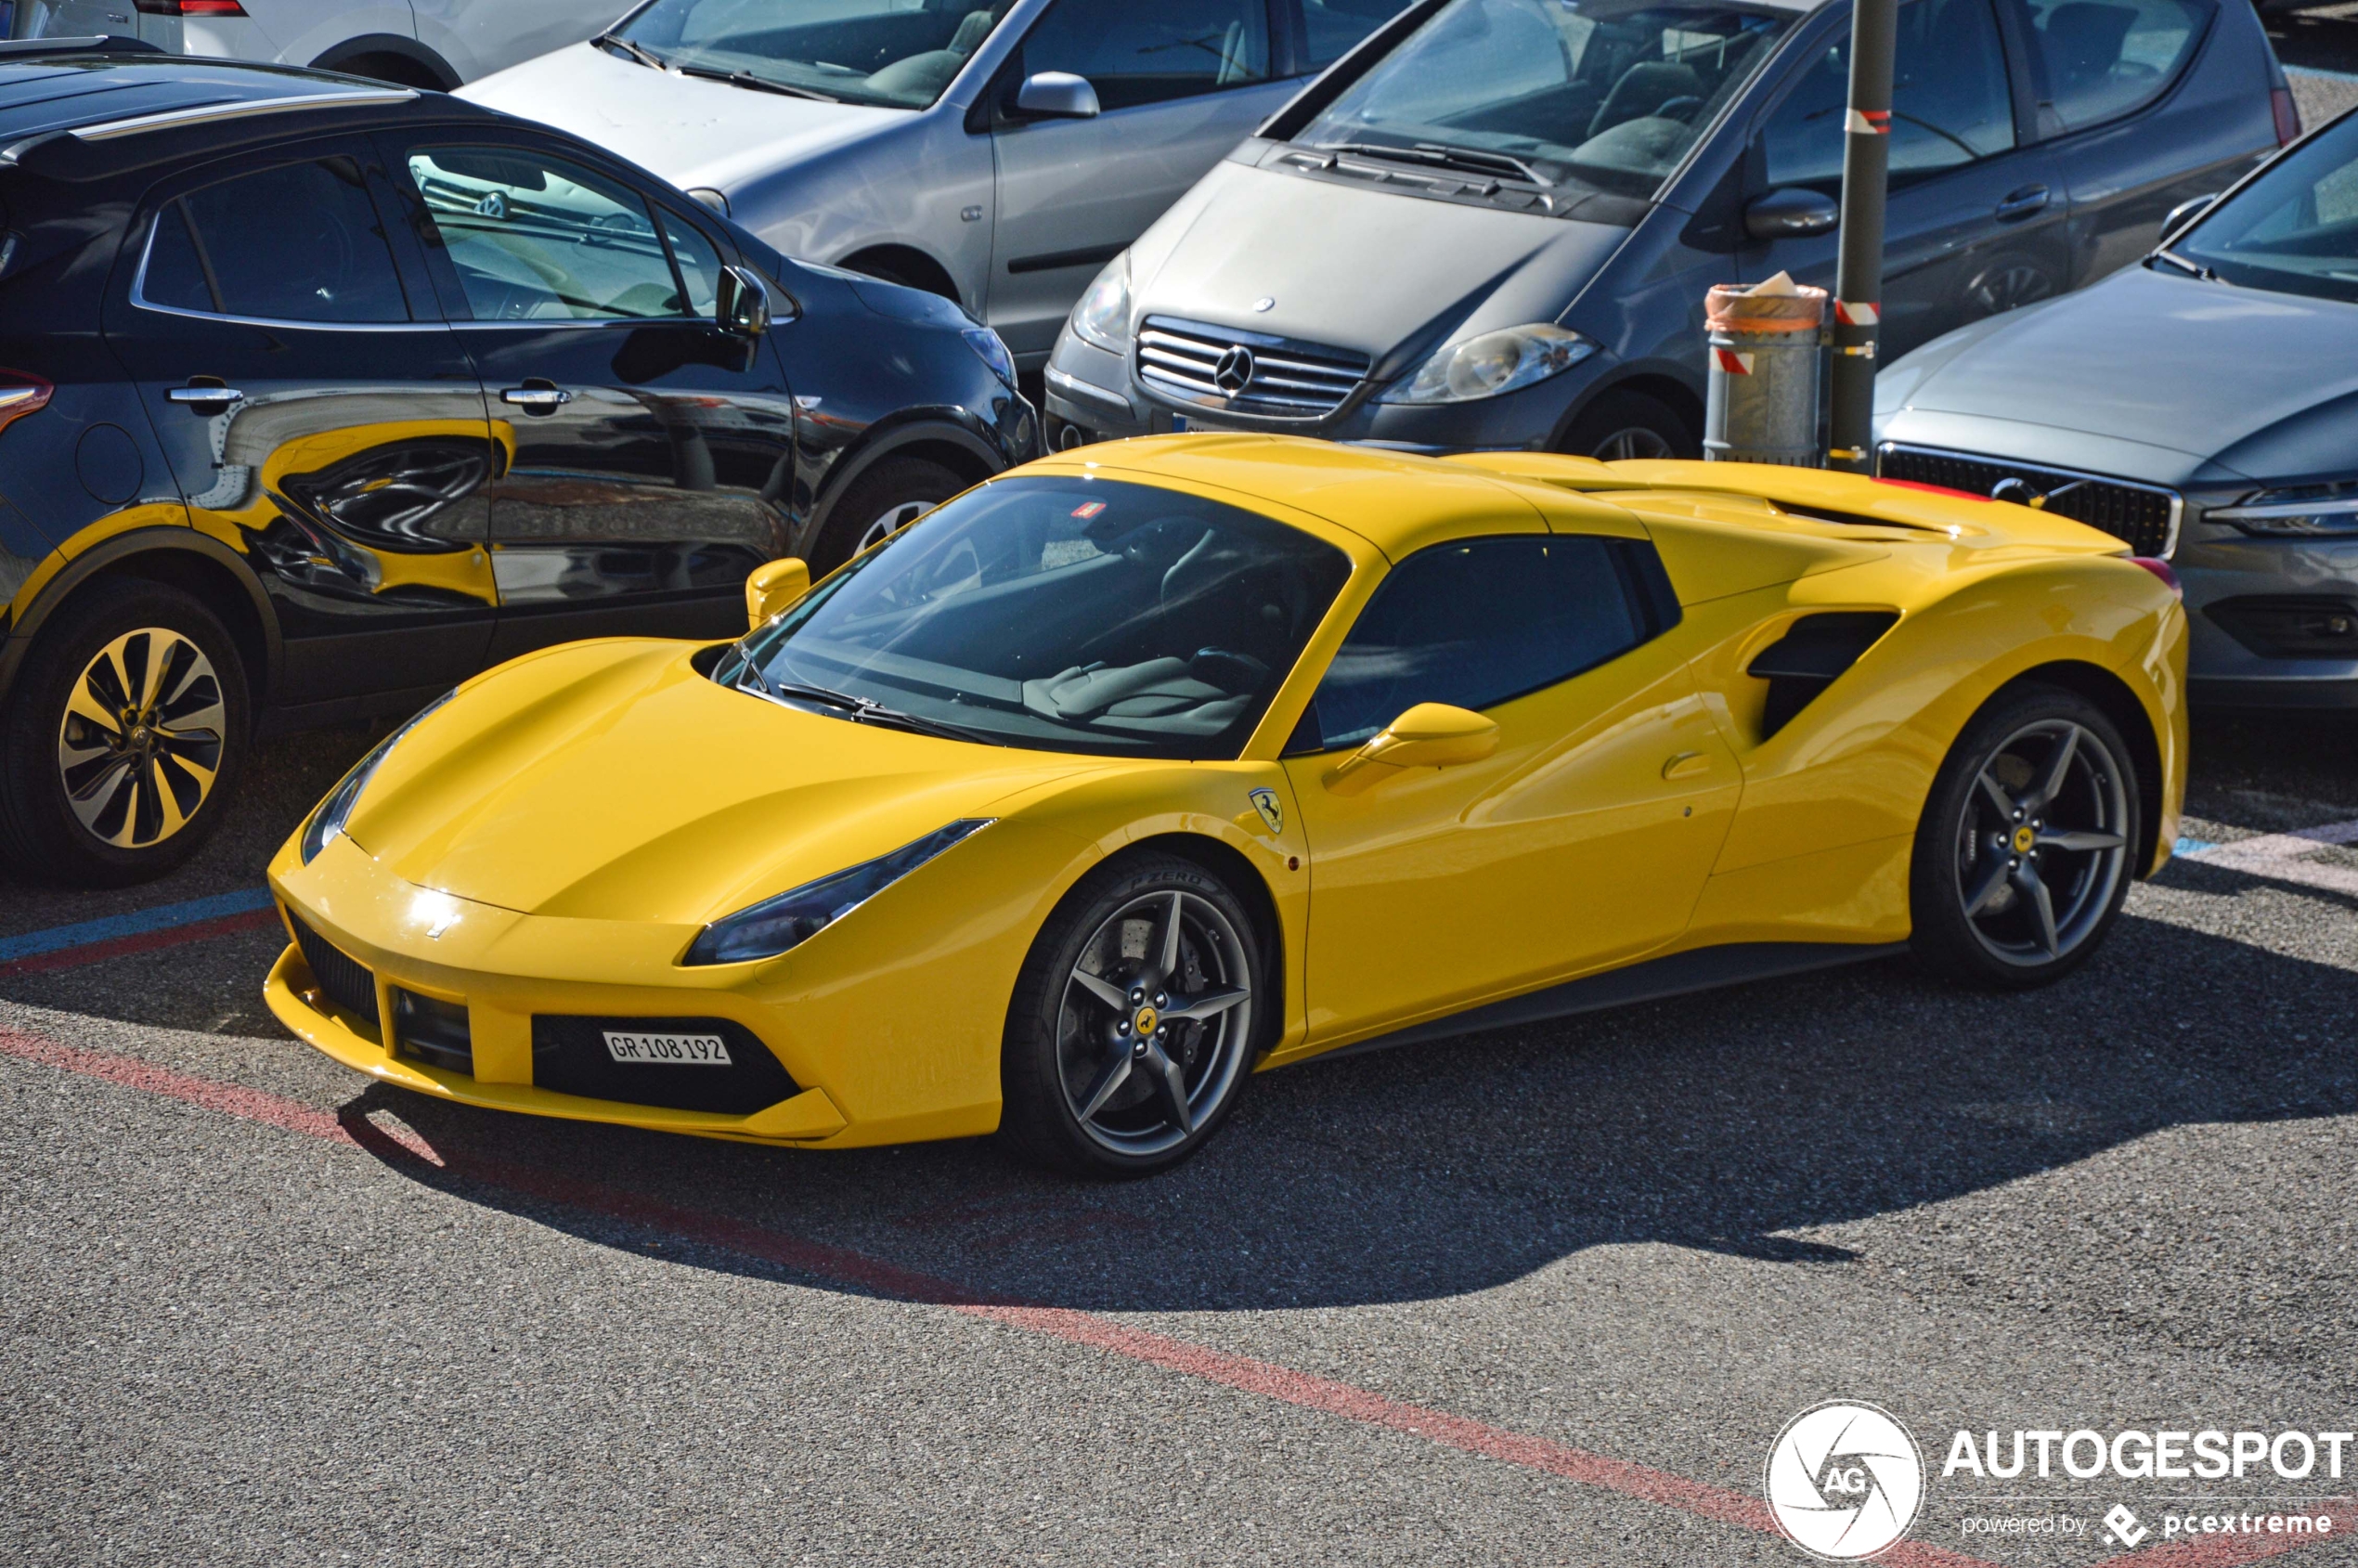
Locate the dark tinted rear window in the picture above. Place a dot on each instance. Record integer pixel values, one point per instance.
(300, 242)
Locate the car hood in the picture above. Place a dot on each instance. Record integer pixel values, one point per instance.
(2148, 374)
(610, 781)
(690, 131)
(1359, 269)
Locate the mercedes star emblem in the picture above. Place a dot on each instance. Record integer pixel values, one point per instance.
(1234, 373)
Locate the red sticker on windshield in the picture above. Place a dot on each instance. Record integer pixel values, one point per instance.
(1088, 509)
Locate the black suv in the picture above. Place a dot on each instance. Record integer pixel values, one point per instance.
(317, 397)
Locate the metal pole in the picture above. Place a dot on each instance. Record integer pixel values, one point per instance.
(1866, 164)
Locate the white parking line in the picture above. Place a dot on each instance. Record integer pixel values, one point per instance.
(2285, 857)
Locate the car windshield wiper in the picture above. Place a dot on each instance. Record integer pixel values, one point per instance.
(866, 710)
(1435, 155)
(643, 55)
(757, 83)
(2164, 253)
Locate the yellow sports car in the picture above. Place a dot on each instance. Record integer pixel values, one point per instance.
(1149, 765)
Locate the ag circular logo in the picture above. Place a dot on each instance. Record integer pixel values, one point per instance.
(1844, 1480)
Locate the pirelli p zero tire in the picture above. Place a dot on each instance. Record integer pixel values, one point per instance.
(1135, 1021)
(879, 504)
(123, 740)
(2029, 842)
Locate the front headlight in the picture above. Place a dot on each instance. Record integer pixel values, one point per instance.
(326, 822)
(986, 342)
(1492, 364)
(774, 925)
(1102, 315)
(2304, 511)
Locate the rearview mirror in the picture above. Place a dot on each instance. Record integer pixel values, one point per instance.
(1058, 94)
(1428, 735)
(2184, 214)
(742, 306)
(774, 588)
(1791, 214)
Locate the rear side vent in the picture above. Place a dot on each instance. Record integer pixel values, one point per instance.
(1810, 657)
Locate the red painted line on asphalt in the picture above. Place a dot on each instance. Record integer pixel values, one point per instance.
(146, 941)
(843, 1266)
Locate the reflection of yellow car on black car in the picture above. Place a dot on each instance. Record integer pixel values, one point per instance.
(1148, 765)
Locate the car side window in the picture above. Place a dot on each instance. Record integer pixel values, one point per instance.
(298, 243)
(699, 263)
(1949, 101)
(536, 238)
(1134, 53)
(2103, 60)
(1479, 622)
(1332, 28)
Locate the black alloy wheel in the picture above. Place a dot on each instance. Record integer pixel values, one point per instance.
(1622, 424)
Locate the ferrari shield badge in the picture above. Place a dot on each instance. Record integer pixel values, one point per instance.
(1265, 802)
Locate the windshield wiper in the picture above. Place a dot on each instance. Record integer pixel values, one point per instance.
(1434, 155)
(757, 83)
(866, 710)
(2164, 253)
(643, 55)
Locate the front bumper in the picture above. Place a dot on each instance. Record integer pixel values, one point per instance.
(2222, 567)
(1092, 396)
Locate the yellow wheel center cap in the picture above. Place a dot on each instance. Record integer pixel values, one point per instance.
(2024, 839)
(1147, 1020)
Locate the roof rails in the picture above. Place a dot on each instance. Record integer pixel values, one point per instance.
(35, 49)
(107, 130)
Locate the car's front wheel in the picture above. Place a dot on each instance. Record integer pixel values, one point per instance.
(124, 733)
(879, 504)
(2025, 852)
(1134, 1020)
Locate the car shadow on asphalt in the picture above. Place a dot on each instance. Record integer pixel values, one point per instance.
(1723, 1122)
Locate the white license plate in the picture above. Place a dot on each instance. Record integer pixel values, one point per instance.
(667, 1050)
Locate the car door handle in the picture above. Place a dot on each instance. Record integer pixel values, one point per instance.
(205, 396)
(2023, 204)
(537, 397)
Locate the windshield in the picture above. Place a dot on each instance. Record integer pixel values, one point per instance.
(897, 54)
(1070, 614)
(2295, 229)
(1605, 94)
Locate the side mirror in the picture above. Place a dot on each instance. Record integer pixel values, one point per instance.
(1058, 94)
(774, 588)
(2185, 212)
(1791, 214)
(1428, 735)
(742, 309)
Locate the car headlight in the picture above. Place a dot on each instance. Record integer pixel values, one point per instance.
(985, 342)
(776, 925)
(2304, 511)
(1492, 364)
(326, 822)
(1102, 315)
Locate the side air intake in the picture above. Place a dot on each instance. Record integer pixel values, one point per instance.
(1810, 657)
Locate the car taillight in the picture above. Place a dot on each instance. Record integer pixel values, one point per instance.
(2167, 573)
(190, 8)
(22, 394)
(2287, 116)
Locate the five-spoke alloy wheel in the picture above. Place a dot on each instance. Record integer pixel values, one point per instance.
(2025, 852)
(1133, 1025)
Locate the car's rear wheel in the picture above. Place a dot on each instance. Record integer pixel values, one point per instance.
(125, 734)
(1134, 1024)
(2024, 855)
(1629, 424)
(879, 504)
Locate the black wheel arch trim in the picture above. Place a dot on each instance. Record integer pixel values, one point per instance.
(103, 558)
(341, 56)
(931, 427)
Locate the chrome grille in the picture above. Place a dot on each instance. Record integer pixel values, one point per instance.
(2144, 516)
(1246, 373)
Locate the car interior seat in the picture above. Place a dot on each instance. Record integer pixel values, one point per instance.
(2085, 40)
(1644, 90)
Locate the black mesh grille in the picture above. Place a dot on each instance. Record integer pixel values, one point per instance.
(2141, 515)
(428, 1030)
(570, 1055)
(347, 982)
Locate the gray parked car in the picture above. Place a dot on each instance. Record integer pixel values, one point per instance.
(1493, 225)
(996, 152)
(2203, 406)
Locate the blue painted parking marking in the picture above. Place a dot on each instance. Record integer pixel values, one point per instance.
(2192, 846)
(162, 918)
